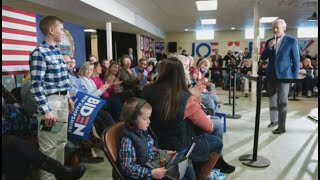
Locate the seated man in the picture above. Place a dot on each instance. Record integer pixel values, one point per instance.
(140, 72)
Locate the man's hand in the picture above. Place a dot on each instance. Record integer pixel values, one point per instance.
(158, 173)
(272, 44)
(71, 105)
(49, 119)
(16, 104)
(169, 152)
(140, 76)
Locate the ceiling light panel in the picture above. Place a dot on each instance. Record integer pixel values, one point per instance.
(90, 30)
(267, 19)
(208, 21)
(207, 5)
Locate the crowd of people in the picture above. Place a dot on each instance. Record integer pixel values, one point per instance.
(174, 93)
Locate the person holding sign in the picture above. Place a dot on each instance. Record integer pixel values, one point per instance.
(133, 153)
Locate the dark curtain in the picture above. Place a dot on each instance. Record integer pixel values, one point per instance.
(88, 44)
(121, 42)
(102, 44)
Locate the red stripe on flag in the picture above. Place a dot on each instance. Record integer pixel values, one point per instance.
(21, 32)
(13, 52)
(82, 120)
(15, 72)
(18, 11)
(18, 42)
(18, 21)
(87, 120)
(15, 63)
(78, 118)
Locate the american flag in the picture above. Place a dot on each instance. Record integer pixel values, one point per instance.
(19, 38)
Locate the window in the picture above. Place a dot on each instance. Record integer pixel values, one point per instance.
(205, 35)
(249, 33)
(308, 32)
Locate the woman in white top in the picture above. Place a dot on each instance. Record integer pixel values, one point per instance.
(85, 74)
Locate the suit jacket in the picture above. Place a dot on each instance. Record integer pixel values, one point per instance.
(286, 61)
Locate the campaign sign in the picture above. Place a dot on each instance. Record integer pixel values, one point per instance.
(81, 119)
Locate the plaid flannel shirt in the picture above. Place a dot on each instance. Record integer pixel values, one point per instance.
(128, 160)
(48, 74)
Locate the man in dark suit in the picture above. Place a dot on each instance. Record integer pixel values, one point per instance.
(133, 58)
(283, 54)
(161, 55)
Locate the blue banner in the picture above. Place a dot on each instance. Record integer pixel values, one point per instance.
(85, 111)
(73, 42)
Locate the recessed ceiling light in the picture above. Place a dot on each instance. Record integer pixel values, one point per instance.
(207, 5)
(233, 28)
(267, 19)
(204, 34)
(208, 21)
(186, 29)
(90, 30)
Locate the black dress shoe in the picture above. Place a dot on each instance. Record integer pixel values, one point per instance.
(278, 131)
(273, 124)
(224, 166)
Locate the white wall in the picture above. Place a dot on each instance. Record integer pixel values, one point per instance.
(184, 41)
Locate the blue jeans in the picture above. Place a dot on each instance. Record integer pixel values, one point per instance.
(217, 126)
(209, 101)
(190, 174)
(214, 139)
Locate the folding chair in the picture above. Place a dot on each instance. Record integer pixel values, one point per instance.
(223, 116)
(110, 139)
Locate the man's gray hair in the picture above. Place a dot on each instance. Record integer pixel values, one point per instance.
(280, 21)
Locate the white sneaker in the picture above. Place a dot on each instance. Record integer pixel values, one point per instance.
(309, 93)
(315, 89)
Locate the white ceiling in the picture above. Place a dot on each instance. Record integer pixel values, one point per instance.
(175, 15)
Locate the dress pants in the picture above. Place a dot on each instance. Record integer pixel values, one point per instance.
(278, 100)
(53, 144)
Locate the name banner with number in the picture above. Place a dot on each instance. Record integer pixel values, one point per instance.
(85, 111)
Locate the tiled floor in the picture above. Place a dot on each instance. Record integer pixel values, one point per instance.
(293, 155)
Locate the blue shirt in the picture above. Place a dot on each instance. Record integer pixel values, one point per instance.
(136, 70)
(49, 74)
(76, 85)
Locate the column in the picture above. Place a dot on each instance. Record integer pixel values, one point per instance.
(256, 46)
(94, 45)
(139, 52)
(109, 40)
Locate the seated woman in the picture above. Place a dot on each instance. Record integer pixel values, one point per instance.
(152, 71)
(127, 76)
(102, 121)
(175, 111)
(216, 73)
(85, 74)
(246, 68)
(209, 97)
(308, 81)
(204, 66)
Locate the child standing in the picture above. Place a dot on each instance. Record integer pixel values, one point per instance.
(137, 143)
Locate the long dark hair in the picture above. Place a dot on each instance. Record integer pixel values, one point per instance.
(172, 78)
